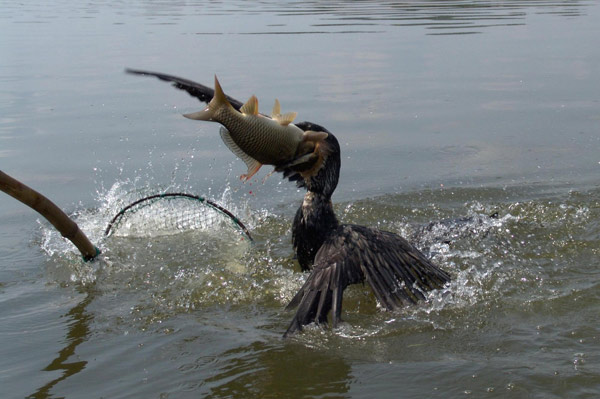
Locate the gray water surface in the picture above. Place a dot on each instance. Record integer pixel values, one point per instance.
(445, 111)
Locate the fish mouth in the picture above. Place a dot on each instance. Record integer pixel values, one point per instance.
(300, 163)
(305, 163)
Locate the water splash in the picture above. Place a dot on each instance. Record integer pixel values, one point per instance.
(502, 253)
(93, 221)
(156, 276)
(505, 254)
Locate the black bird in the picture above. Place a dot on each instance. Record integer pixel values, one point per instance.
(338, 254)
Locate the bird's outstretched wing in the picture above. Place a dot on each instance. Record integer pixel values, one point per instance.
(396, 271)
(197, 90)
(323, 290)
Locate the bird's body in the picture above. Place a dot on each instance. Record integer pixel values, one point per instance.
(344, 254)
(338, 254)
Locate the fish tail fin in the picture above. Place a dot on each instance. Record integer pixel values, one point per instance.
(219, 100)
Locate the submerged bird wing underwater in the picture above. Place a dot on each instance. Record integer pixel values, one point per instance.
(340, 255)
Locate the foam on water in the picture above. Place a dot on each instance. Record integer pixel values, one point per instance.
(505, 255)
(511, 260)
(499, 253)
(142, 231)
(159, 273)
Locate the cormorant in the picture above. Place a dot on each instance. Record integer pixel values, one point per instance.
(338, 254)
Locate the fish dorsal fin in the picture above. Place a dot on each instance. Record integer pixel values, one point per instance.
(252, 164)
(284, 119)
(276, 109)
(313, 136)
(250, 107)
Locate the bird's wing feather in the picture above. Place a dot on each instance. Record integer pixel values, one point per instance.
(197, 90)
(322, 291)
(396, 271)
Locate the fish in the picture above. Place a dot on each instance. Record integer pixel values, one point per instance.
(255, 138)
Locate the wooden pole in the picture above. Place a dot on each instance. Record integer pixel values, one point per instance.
(51, 212)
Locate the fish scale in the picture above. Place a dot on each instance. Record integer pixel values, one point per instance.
(269, 145)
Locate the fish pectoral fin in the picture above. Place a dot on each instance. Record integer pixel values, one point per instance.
(250, 107)
(313, 136)
(252, 164)
(301, 163)
(251, 172)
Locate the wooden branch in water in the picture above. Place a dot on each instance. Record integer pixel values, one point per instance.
(67, 227)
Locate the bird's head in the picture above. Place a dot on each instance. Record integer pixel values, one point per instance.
(319, 170)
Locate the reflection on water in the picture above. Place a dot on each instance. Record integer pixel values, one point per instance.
(257, 370)
(78, 332)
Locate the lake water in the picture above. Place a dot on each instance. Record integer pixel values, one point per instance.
(443, 109)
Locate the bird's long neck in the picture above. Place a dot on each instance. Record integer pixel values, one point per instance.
(314, 220)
